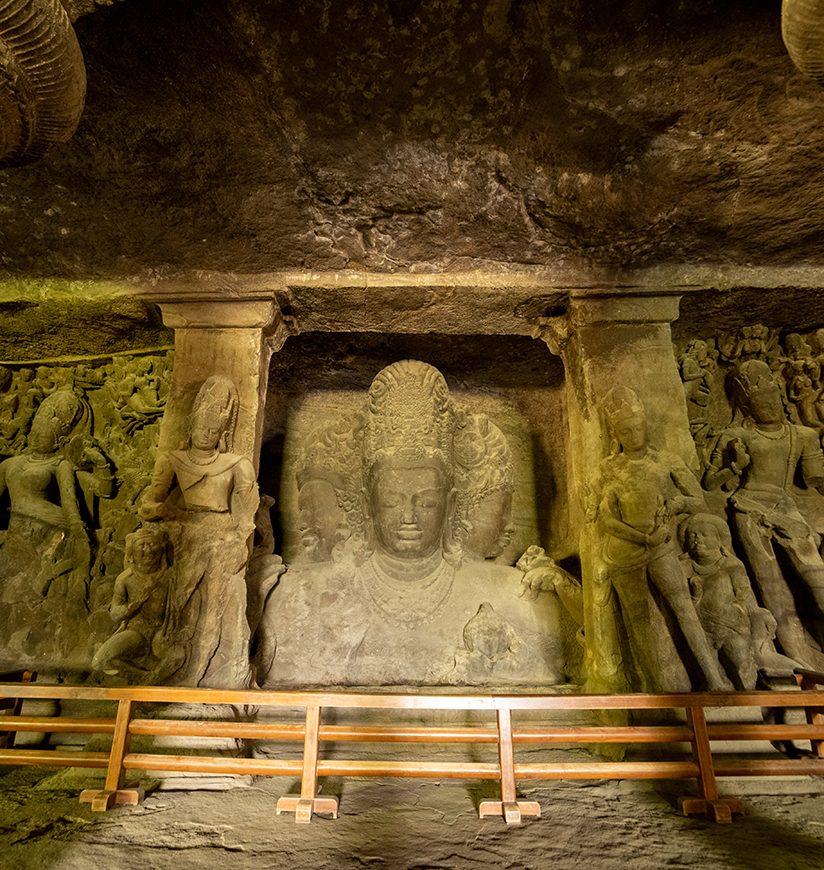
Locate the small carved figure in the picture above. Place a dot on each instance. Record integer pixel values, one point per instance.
(642, 495)
(723, 596)
(759, 462)
(698, 373)
(140, 606)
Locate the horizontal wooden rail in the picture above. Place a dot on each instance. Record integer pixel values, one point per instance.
(504, 734)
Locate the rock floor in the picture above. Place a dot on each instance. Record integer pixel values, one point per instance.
(405, 824)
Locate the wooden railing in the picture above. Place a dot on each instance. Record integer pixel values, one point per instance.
(703, 766)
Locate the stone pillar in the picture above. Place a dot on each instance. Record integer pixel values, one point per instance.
(216, 602)
(605, 339)
(235, 338)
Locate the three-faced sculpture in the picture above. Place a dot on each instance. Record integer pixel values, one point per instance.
(400, 616)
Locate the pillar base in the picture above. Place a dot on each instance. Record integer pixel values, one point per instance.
(720, 810)
(512, 811)
(305, 808)
(102, 800)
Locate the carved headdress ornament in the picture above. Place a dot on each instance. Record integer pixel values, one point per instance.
(217, 402)
(408, 416)
(752, 376)
(621, 403)
(483, 460)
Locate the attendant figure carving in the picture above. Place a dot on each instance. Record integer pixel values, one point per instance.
(723, 597)
(640, 498)
(46, 551)
(212, 495)
(140, 608)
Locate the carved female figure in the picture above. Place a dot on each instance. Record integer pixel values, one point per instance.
(212, 492)
(46, 549)
(642, 493)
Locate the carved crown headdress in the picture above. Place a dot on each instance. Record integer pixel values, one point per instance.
(483, 460)
(217, 400)
(621, 402)
(749, 376)
(408, 416)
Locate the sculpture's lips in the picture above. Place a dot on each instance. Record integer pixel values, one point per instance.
(409, 534)
(309, 536)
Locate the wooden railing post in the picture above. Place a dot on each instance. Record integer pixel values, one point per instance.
(309, 802)
(113, 792)
(815, 715)
(508, 806)
(14, 705)
(709, 803)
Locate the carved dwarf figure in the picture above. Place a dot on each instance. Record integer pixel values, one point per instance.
(641, 496)
(212, 492)
(759, 461)
(140, 606)
(723, 596)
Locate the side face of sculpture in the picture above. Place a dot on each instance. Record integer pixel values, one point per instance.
(641, 497)
(397, 607)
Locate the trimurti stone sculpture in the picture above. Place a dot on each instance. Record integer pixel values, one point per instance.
(404, 608)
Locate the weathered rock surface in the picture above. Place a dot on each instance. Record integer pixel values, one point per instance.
(394, 133)
(399, 824)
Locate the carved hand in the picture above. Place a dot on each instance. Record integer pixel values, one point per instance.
(659, 535)
(739, 457)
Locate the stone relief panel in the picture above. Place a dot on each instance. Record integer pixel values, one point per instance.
(754, 397)
(405, 505)
(77, 441)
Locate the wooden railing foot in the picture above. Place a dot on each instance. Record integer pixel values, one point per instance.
(720, 810)
(102, 799)
(511, 811)
(305, 808)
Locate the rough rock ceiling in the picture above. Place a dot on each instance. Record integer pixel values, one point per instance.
(427, 134)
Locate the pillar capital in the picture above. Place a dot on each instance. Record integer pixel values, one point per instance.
(589, 307)
(219, 313)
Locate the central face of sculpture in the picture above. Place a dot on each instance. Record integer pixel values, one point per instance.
(409, 505)
(765, 403)
(207, 427)
(147, 553)
(631, 432)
